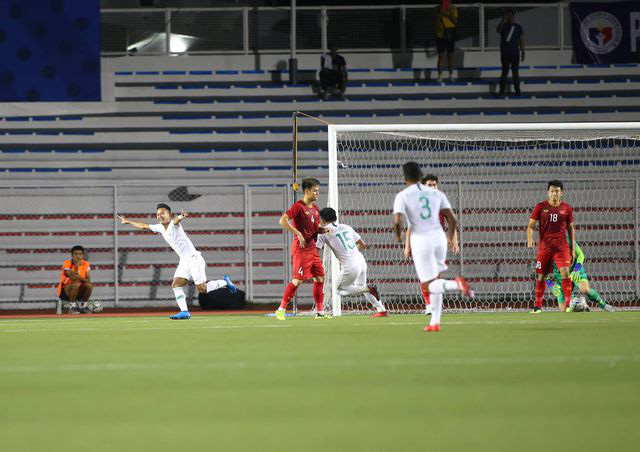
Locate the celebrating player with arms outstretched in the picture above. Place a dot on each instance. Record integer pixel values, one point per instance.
(347, 245)
(556, 220)
(579, 277)
(303, 221)
(421, 206)
(191, 266)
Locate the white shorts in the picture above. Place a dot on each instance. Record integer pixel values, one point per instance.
(353, 273)
(429, 251)
(192, 268)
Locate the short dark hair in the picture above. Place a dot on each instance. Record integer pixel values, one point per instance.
(429, 177)
(163, 206)
(555, 183)
(328, 215)
(310, 182)
(77, 248)
(412, 172)
(510, 11)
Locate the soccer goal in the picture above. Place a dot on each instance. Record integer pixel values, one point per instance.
(493, 175)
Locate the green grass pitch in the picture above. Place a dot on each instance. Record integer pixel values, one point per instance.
(494, 382)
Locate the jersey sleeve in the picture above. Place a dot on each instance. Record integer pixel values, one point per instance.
(157, 228)
(399, 205)
(66, 265)
(570, 216)
(356, 236)
(445, 204)
(535, 215)
(579, 254)
(293, 211)
(320, 241)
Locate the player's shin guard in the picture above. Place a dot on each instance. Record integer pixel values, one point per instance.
(436, 308)
(180, 298)
(539, 293)
(567, 288)
(595, 297)
(288, 294)
(318, 296)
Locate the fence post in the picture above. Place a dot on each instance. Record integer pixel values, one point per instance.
(460, 231)
(245, 30)
(248, 248)
(116, 255)
(167, 31)
(637, 236)
(561, 24)
(324, 20)
(482, 31)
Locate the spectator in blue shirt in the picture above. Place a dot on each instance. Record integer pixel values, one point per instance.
(511, 50)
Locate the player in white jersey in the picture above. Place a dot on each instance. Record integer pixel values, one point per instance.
(191, 266)
(421, 206)
(347, 245)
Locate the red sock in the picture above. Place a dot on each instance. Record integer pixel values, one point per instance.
(425, 293)
(539, 293)
(567, 288)
(318, 296)
(288, 294)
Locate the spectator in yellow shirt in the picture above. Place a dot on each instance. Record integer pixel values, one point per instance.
(446, 35)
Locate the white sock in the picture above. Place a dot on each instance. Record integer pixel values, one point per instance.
(436, 308)
(215, 285)
(375, 302)
(353, 290)
(442, 286)
(180, 298)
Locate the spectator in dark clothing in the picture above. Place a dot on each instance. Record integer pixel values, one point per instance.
(511, 50)
(333, 73)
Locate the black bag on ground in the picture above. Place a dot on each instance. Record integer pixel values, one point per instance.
(222, 299)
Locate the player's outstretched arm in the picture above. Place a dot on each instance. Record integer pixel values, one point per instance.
(179, 218)
(135, 224)
(286, 224)
(407, 243)
(530, 227)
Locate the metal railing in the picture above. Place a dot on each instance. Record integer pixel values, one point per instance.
(387, 28)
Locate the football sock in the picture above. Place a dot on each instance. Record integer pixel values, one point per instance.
(180, 298)
(318, 296)
(436, 308)
(288, 294)
(567, 288)
(594, 296)
(539, 292)
(442, 286)
(375, 302)
(215, 285)
(353, 290)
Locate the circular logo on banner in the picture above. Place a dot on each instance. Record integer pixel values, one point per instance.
(601, 32)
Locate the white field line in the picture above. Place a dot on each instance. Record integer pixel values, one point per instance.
(97, 320)
(610, 361)
(295, 323)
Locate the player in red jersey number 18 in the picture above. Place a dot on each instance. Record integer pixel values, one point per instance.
(556, 220)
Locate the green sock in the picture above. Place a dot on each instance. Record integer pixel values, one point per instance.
(595, 297)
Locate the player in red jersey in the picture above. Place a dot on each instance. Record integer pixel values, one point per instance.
(303, 221)
(556, 220)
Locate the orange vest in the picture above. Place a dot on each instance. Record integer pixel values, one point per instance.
(68, 265)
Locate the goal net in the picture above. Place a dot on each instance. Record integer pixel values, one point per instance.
(493, 174)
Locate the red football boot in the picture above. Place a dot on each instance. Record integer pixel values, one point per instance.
(463, 285)
(432, 328)
(380, 314)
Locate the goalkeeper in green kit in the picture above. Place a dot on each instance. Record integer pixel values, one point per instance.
(578, 277)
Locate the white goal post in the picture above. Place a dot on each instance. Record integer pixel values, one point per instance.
(493, 174)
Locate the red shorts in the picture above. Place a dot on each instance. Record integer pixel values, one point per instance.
(549, 254)
(307, 264)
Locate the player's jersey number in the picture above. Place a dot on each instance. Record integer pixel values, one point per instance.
(347, 241)
(554, 217)
(425, 213)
